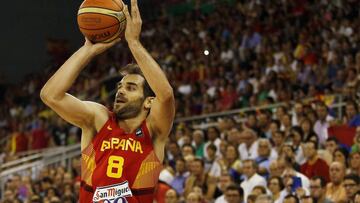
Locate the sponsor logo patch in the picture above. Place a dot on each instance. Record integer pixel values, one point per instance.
(112, 193)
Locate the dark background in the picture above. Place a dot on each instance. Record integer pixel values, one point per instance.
(25, 27)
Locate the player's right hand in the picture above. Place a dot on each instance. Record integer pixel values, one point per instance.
(97, 48)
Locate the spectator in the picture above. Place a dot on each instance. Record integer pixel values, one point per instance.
(197, 177)
(296, 135)
(354, 163)
(193, 197)
(323, 122)
(341, 155)
(264, 199)
(212, 165)
(248, 149)
(331, 145)
(171, 196)
(181, 174)
(213, 138)
(264, 158)
(352, 186)
(252, 179)
(291, 199)
(278, 139)
(314, 165)
(198, 143)
(276, 186)
(318, 188)
(224, 181)
(231, 163)
(335, 190)
(234, 194)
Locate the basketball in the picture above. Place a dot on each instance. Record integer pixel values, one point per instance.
(101, 20)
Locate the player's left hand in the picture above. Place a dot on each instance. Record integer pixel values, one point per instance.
(98, 48)
(133, 22)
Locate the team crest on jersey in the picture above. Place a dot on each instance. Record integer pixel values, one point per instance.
(112, 193)
(139, 132)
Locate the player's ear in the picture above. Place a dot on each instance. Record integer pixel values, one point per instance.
(148, 102)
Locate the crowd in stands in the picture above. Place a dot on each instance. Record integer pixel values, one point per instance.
(248, 54)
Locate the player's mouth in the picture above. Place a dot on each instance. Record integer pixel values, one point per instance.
(120, 100)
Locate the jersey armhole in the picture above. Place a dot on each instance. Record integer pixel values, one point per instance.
(96, 136)
(144, 126)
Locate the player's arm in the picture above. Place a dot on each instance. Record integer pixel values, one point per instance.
(163, 106)
(53, 94)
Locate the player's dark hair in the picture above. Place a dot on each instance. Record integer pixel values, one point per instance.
(133, 68)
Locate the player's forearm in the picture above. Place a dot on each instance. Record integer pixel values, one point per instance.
(152, 72)
(56, 87)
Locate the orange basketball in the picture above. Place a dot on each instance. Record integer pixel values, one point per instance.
(101, 20)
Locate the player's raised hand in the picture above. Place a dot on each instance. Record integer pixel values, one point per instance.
(133, 22)
(98, 48)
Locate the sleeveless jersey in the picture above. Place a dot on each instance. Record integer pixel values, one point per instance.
(119, 167)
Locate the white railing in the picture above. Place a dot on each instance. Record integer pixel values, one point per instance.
(32, 165)
(206, 120)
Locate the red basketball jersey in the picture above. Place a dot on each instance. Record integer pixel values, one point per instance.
(119, 166)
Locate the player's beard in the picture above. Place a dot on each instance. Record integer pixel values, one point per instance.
(130, 110)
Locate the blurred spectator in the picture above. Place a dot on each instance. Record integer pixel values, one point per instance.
(291, 199)
(252, 179)
(323, 122)
(171, 196)
(276, 186)
(318, 188)
(335, 190)
(249, 148)
(354, 163)
(181, 175)
(233, 194)
(351, 185)
(225, 180)
(314, 166)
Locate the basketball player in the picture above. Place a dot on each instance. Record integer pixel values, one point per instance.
(122, 151)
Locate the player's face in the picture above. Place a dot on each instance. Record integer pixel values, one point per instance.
(129, 97)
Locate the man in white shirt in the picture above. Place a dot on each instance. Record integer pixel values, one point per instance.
(323, 123)
(249, 149)
(298, 113)
(252, 178)
(224, 181)
(213, 135)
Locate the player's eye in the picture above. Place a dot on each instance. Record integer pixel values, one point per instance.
(131, 88)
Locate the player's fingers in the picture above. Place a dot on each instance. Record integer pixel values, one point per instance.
(112, 43)
(126, 12)
(134, 8)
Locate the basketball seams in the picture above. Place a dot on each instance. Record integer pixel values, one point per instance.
(118, 14)
(101, 8)
(94, 14)
(118, 22)
(101, 28)
(104, 15)
(120, 6)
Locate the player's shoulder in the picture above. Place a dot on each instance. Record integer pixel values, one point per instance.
(100, 112)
